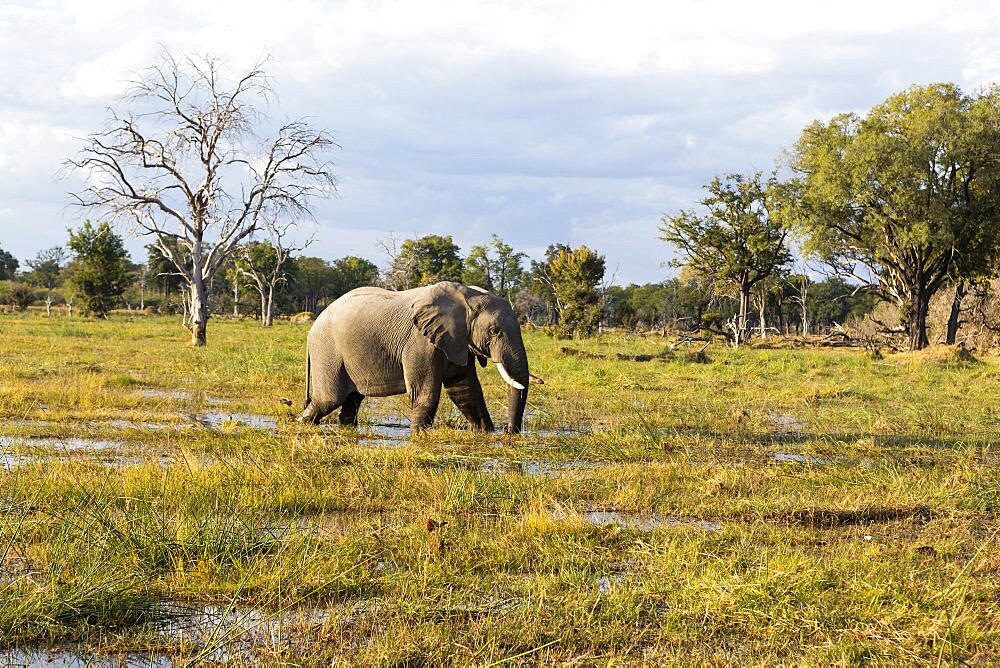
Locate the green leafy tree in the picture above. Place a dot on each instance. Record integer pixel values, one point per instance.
(315, 283)
(100, 271)
(424, 261)
(162, 273)
(541, 281)
(907, 196)
(8, 265)
(46, 268)
(21, 295)
(495, 267)
(351, 272)
(576, 275)
(738, 240)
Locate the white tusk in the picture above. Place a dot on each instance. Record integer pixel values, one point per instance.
(506, 376)
(533, 377)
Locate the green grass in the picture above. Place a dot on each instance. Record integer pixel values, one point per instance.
(776, 506)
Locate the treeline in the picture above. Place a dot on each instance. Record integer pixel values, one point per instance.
(904, 201)
(564, 291)
(95, 274)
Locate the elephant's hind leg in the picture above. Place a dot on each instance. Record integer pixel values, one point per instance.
(467, 394)
(315, 412)
(349, 411)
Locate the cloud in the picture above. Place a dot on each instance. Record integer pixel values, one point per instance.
(567, 121)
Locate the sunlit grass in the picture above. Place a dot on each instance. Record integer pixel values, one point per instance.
(768, 505)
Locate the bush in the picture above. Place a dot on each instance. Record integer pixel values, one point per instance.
(20, 296)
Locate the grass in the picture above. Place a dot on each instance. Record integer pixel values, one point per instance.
(766, 506)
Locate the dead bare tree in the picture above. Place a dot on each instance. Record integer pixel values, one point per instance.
(183, 165)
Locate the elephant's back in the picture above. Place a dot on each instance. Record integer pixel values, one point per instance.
(368, 328)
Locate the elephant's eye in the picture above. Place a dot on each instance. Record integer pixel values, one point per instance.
(495, 332)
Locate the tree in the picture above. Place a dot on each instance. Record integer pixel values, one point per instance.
(738, 240)
(100, 271)
(162, 271)
(351, 272)
(495, 267)
(423, 261)
(541, 282)
(262, 266)
(575, 275)
(315, 283)
(8, 265)
(21, 295)
(265, 265)
(906, 197)
(46, 267)
(182, 165)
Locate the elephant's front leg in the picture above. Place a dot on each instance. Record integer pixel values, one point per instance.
(466, 392)
(423, 377)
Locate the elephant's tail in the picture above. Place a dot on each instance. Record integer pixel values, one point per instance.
(308, 381)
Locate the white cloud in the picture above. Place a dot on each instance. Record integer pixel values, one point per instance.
(574, 120)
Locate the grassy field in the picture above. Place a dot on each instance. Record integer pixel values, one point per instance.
(159, 505)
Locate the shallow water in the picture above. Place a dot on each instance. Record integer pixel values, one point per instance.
(224, 634)
(216, 419)
(69, 443)
(636, 521)
(802, 459)
(151, 393)
(786, 424)
(57, 657)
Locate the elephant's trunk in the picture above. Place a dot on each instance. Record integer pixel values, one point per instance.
(512, 363)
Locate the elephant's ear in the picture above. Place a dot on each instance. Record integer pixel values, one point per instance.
(441, 315)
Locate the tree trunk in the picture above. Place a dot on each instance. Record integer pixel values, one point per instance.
(763, 321)
(956, 310)
(741, 320)
(199, 312)
(917, 319)
(267, 309)
(236, 298)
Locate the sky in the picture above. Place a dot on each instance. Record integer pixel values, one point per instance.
(572, 122)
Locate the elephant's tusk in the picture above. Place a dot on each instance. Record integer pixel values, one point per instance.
(506, 376)
(533, 378)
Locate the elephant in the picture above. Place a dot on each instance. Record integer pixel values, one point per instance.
(372, 342)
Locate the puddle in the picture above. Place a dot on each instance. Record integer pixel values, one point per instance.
(105, 452)
(60, 657)
(786, 424)
(636, 521)
(543, 468)
(163, 394)
(385, 434)
(230, 634)
(608, 583)
(70, 443)
(9, 460)
(216, 419)
(802, 459)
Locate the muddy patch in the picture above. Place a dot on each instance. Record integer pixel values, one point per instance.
(827, 518)
(785, 424)
(635, 520)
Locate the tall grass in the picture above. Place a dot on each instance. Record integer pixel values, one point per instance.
(774, 506)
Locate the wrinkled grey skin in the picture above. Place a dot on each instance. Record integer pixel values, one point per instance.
(375, 343)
